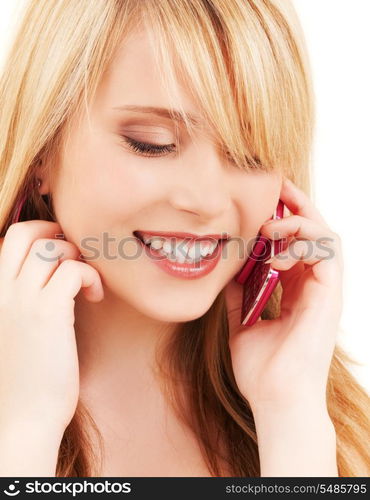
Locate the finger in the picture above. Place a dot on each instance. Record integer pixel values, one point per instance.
(17, 243)
(295, 225)
(303, 228)
(326, 269)
(70, 276)
(306, 250)
(299, 203)
(43, 258)
(289, 276)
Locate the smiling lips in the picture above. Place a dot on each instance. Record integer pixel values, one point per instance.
(180, 268)
(182, 235)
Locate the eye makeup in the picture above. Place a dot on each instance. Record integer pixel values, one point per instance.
(148, 149)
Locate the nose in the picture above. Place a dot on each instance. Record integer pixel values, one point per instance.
(201, 184)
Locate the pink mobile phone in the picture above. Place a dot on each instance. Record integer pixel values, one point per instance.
(259, 279)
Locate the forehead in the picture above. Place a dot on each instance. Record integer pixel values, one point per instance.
(133, 83)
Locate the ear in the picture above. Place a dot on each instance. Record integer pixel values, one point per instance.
(42, 174)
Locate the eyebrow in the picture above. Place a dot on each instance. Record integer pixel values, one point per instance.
(163, 112)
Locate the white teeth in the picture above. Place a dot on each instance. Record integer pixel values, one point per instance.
(193, 251)
(214, 245)
(200, 249)
(179, 255)
(156, 244)
(153, 240)
(189, 251)
(205, 249)
(167, 247)
(208, 248)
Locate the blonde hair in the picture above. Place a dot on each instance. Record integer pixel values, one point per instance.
(246, 66)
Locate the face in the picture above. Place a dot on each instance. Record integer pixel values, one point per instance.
(104, 188)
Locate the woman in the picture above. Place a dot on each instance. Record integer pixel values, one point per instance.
(179, 117)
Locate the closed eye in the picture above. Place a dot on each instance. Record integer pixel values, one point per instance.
(148, 149)
(152, 150)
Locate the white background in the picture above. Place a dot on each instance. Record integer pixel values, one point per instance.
(338, 37)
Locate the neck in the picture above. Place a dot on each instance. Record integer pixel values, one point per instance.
(117, 343)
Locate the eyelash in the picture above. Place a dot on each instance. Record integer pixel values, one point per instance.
(145, 147)
(154, 149)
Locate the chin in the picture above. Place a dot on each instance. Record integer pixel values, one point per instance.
(169, 305)
(175, 312)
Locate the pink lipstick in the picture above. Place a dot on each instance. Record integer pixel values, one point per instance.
(186, 270)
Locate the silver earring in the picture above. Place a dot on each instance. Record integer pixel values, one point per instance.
(38, 183)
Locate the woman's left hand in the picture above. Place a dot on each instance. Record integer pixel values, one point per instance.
(285, 361)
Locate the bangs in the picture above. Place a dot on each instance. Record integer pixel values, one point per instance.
(242, 67)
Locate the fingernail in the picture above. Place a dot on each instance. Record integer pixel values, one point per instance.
(269, 260)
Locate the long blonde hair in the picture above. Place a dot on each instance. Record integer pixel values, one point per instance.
(246, 66)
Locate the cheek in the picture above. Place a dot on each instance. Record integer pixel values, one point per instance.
(102, 184)
(256, 197)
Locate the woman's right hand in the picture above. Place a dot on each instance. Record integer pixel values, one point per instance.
(39, 369)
